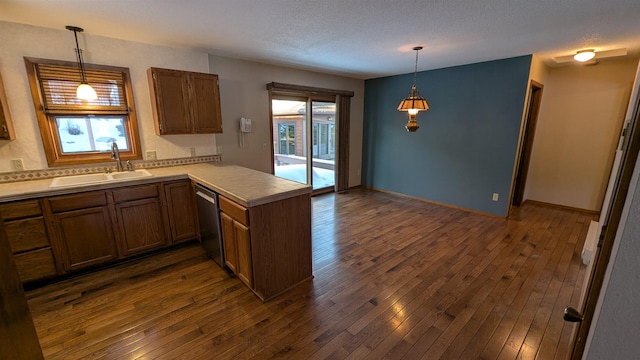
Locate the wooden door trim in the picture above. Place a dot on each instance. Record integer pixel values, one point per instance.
(531, 120)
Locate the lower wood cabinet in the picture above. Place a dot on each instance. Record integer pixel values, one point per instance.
(140, 219)
(18, 337)
(237, 247)
(60, 234)
(28, 238)
(181, 210)
(268, 246)
(83, 229)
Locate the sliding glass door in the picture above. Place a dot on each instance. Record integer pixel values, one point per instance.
(304, 141)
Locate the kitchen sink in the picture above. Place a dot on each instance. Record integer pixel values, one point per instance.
(78, 179)
(127, 175)
(89, 179)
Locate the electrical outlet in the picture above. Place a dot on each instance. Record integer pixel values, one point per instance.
(219, 149)
(265, 146)
(495, 196)
(151, 155)
(193, 152)
(17, 165)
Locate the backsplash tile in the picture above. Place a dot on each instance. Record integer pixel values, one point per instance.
(100, 168)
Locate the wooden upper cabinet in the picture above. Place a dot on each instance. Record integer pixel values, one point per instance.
(185, 102)
(6, 125)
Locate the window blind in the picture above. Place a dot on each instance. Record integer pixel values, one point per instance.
(58, 84)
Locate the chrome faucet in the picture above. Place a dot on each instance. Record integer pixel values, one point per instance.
(115, 155)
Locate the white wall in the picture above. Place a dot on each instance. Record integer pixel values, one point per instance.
(17, 41)
(244, 94)
(580, 119)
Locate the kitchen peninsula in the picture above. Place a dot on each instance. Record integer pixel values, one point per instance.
(276, 213)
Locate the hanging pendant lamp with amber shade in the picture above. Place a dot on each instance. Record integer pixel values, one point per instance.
(414, 103)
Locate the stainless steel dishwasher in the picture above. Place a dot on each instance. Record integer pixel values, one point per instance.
(209, 218)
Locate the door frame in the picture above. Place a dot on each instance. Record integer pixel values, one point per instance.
(342, 99)
(531, 120)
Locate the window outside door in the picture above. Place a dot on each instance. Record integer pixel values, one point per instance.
(295, 158)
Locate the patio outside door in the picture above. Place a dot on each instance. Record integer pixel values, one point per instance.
(304, 146)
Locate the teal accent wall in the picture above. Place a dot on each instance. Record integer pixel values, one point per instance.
(466, 146)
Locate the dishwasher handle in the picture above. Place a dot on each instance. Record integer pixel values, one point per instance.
(206, 197)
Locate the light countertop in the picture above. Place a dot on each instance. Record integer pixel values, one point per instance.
(245, 186)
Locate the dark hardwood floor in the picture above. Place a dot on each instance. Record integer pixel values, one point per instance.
(395, 278)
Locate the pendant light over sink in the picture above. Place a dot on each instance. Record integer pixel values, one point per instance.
(414, 103)
(84, 90)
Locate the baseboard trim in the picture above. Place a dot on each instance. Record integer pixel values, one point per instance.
(564, 207)
(435, 202)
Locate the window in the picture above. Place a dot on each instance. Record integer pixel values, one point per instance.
(330, 143)
(287, 139)
(76, 131)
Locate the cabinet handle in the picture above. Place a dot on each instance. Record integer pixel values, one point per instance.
(4, 128)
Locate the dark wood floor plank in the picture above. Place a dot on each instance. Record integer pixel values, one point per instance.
(394, 278)
(513, 307)
(514, 282)
(525, 320)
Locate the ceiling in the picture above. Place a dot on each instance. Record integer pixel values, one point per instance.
(356, 38)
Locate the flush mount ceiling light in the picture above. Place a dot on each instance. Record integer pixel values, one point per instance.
(84, 90)
(584, 55)
(581, 56)
(414, 103)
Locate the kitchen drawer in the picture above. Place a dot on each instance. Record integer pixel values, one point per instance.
(26, 234)
(136, 193)
(78, 201)
(20, 209)
(34, 265)
(238, 212)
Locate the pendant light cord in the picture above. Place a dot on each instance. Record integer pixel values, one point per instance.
(415, 72)
(83, 76)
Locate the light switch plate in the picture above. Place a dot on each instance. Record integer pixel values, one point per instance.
(151, 155)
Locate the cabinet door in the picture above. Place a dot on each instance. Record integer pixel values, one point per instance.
(35, 264)
(181, 208)
(243, 246)
(205, 103)
(169, 97)
(29, 239)
(140, 225)
(229, 242)
(6, 125)
(86, 237)
(27, 234)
